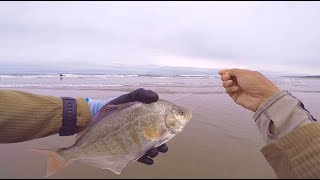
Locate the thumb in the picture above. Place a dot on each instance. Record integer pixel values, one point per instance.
(235, 72)
(223, 71)
(145, 96)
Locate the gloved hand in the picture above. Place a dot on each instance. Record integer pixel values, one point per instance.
(141, 95)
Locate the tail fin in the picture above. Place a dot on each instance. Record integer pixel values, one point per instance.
(55, 162)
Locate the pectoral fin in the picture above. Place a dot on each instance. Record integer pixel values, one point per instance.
(170, 121)
(151, 127)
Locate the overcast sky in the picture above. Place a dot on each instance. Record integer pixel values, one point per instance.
(281, 36)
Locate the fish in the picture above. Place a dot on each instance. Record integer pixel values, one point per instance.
(121, 134)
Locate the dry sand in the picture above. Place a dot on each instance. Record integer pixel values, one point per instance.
(221, 141)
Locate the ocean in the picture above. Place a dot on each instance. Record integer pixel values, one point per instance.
(121, 81)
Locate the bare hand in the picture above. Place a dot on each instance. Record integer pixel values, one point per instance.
(249, 89)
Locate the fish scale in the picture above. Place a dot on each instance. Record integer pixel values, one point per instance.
(123, 133)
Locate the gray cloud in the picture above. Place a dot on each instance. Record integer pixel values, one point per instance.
(240, 33)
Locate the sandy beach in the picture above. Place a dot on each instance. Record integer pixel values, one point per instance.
(102, 50)
(221, 141)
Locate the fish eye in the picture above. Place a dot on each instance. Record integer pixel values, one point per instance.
(181, 112)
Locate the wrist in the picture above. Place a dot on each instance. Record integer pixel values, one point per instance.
(96, 105)
(270, 92)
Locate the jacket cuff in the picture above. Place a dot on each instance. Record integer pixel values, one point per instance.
(83, 113)
(269, 102)
(281, 114)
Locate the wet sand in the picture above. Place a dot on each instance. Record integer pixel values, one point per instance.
(221, 141)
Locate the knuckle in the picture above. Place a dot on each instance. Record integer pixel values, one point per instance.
(140, 90)
(224, 85)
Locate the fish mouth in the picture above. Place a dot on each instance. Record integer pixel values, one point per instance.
(188, 115)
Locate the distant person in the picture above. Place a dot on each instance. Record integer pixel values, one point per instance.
(291, 134)
(25, 116)
(61, 76)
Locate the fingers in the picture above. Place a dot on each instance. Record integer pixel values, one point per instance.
(227, 83)
(163, 148)
(223, 71)
(145, 160)
(235, 72)
(225, 77)
(230, 94)
(152, 153)
(231, 72)
(228, 76)
(232, 89)
(145, 96)
(141, 95)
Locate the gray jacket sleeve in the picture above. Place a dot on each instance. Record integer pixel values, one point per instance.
(281, 114)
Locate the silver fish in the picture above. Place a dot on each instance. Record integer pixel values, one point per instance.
(121, 134)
